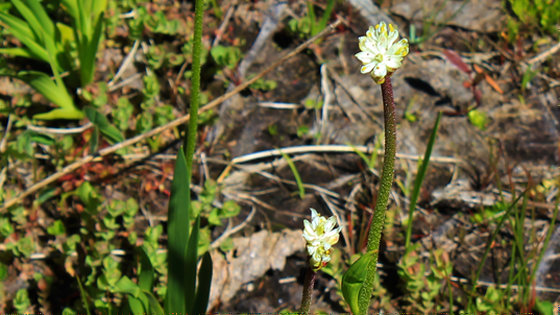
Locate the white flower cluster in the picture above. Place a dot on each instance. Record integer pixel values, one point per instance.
(379, 54)
(320, 235)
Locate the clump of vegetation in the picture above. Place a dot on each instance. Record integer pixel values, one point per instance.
(97, 217)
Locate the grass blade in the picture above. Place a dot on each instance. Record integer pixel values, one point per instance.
(54, 93)
(489, 243)
(19, 29)
(178, 233)
(36, 15)
(89, 52)
(292, 166)
(17, 52)
(71, 6)
(43, 28)
(83, 294)
(191, 266)
(147, 272)
(138, 305)
(155, 308)
(204, 283)
(105, 127)
(419, 179)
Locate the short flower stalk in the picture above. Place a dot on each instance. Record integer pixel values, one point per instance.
(381, 56)
(320, 234)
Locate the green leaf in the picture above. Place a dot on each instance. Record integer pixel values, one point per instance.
(3, 271)
(294, 170)
(178, 233)
(227, 245)
(21, 301)
(226, 56)
(68, 311)
(230, 209)
(478, 119)
(43, 29)
(19, 28)
(89, 52)
(37, 18)
(47, 87)
(94, 140)
(204, 283)
(544, 307)
(17, 52)
(191, 255)
(71, 6)
(137, 305)
(57, 228)
(110, 132)
(83, 295)
(419, 179)
(353, 280)
(146, 276)
(60, 113)
(54, 93)
(125, 285)
(6, 228)
(155, 307)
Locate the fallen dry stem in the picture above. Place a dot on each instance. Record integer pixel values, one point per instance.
(175, 123)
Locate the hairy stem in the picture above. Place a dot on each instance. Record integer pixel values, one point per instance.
(308, 284)
(192, 125)
(378, 221)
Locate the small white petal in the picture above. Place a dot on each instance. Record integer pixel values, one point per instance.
(380, 70)
(393, 63)
(367, 68)
(365, 56)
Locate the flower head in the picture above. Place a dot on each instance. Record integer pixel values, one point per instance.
(379, 54)
(320, 235)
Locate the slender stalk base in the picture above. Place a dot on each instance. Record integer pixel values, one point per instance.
(374, 236)
(308, 284)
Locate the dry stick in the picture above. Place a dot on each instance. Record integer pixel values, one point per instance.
(177, 122)
(332, 148)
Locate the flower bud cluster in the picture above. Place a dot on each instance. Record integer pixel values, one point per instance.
(320, 235)
(379, 54)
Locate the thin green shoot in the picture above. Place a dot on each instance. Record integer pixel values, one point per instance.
(83, 294)
(292, 166)
(371, 162)
(546, 240)
(489, 243)
(419, 179)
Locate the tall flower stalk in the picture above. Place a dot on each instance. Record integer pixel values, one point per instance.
(380, 55)
(188, 288)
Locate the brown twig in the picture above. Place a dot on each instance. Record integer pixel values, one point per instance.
(175, 123)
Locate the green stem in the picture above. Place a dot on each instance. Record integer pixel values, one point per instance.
(192, 125)
(378, 221)
(308, 284)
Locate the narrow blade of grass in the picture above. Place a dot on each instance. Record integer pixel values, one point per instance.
(105, 127)
(470, 305)
(23, 33)
(147, 272)
(419, 179)
(178, 233)
(37, 17)
(204, 283)
(83, 294)
(292, 166)
(190, 268)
